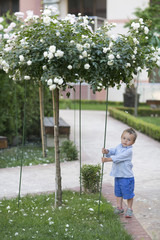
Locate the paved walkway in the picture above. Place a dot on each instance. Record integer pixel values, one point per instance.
(146, 161)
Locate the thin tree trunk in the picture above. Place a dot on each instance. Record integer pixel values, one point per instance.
(41, 101)
(58, 188)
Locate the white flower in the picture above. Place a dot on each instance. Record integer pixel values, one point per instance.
(50, 55)
(141, 20)
(105, 50)
(69, 67)
(47, 12)
(47, 20)
(6, 36)
(87, 45)
(1, 26)
(56, 80)
(27, 77)
(135, 26)
(55, 21)
(52, 49)
(71, 42)
(110, 63)
(23, 42)
(12, 25)
(118, 56)
(57, 34)
(158, 63)
(29, 62)
(16, 234)
(135, 41)
(49, 82)
(7, 49)
(111, 57)
(59, 53)
(44, 67)
(84, 54)
(8, 207)
(45, 54)
(86, 66)
(19, 15)
(21, 58)
(135, 50)
(128, 65)
(1, 19)
(79, 47)
(52, 87)
(139, 69)
(60, 81)
(146, 30)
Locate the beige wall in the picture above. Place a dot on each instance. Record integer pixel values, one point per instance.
(123, 9)
(34, 5)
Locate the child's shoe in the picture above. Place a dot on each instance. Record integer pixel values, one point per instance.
(118, 211)
(129, 213)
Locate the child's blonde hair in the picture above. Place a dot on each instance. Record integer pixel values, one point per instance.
(131, 131)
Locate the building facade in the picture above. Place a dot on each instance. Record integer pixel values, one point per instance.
(117, 11)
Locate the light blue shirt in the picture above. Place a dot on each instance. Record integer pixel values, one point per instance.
(122, 161)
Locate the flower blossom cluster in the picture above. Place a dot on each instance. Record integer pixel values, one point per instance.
(52, 52)
(54, 83)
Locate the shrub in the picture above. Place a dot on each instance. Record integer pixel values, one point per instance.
(91, 175)
(142, 111)
(147, 128)
(69, 151)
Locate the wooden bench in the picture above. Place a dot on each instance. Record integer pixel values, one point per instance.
(153, 103)
(64, 130)
(3, 142)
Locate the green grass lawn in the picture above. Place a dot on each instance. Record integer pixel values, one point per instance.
(77, 218)
(87, 104)
(30, 154)
(153, 120)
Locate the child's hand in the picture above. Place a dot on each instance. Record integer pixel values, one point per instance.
(104, 151)
(104, 159)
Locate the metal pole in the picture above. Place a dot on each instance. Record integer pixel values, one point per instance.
(80, 136)
(105, 133)
(136, 96)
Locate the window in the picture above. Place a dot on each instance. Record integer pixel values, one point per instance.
(87, 7)
(9, 5)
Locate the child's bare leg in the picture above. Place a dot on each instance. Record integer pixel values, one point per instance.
(119, 202)
(130, 203)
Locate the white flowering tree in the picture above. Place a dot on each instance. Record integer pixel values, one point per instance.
(58, 52)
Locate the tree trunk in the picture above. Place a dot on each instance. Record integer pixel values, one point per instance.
(58, 188)
(41, 101)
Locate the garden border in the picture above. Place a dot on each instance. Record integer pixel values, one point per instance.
(147, 128)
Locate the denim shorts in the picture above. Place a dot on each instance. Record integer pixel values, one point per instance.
(124, 187)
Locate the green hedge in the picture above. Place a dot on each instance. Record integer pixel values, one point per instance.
(142, 111)
(144, 127)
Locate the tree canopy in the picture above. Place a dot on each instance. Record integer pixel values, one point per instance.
(61, 51)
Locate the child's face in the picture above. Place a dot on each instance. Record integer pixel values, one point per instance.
(127, 139)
